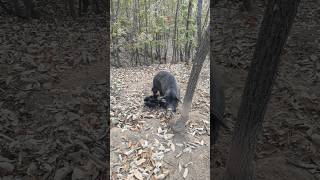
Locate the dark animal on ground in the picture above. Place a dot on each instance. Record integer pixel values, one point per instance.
(153, 102)
(166, 84)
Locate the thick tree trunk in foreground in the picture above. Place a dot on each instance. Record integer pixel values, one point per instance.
(277, 22)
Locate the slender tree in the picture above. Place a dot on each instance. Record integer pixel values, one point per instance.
(188, 43)
(201, 54)
(199, 15)
(175, 32)
(206, 19)
(275, 27)
(146, 30)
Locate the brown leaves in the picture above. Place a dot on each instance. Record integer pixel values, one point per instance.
(144, 153)
(51, 118)
(6, 167)
(62, 173)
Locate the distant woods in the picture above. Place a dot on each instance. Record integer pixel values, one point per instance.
(27, 9)
(144, 32)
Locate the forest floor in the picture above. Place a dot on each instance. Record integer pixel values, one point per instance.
(53, 117)
(53, 98)
(288, 147)
(140, 136)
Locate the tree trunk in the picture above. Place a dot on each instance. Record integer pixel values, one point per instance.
(275, 27)
(127, 11)
(138, 16)
(206, 19)
(150, 45)
(175, 33)
(117, 53)
(167, 46)
(151, 53)
(199, 15)
(201, 55)
(146, 30)
(181, 54)
(116, 13)
(157, 49)
(186, 47)
(134, 31)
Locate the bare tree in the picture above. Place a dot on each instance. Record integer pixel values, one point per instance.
(117, 11)
(146, 30)
(201, 55)
(206, 19)
(276, 24)
(188, 43)
(175, 32)
(199, 15)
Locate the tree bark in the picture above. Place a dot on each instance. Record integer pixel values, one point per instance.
(138, 16)
(206, 19)
(146, 30)
(275, 27)
(201, 55)
(117, 12)
(175, 33)
(186, 47)
(199, 15)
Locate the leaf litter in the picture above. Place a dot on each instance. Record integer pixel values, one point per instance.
(145, 154)
(52, 117)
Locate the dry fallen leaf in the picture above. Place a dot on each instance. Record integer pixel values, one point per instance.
(180, 167)
(6, 167)
(160, 176)
(62, 173)
(129, 144)
(139, 162)
(137, 174)
(168, 136)
(185, 173)
(130, 177)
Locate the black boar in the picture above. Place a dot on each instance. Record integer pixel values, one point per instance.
(166, 84)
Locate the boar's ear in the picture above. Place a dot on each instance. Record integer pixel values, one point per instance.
(178, 99)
